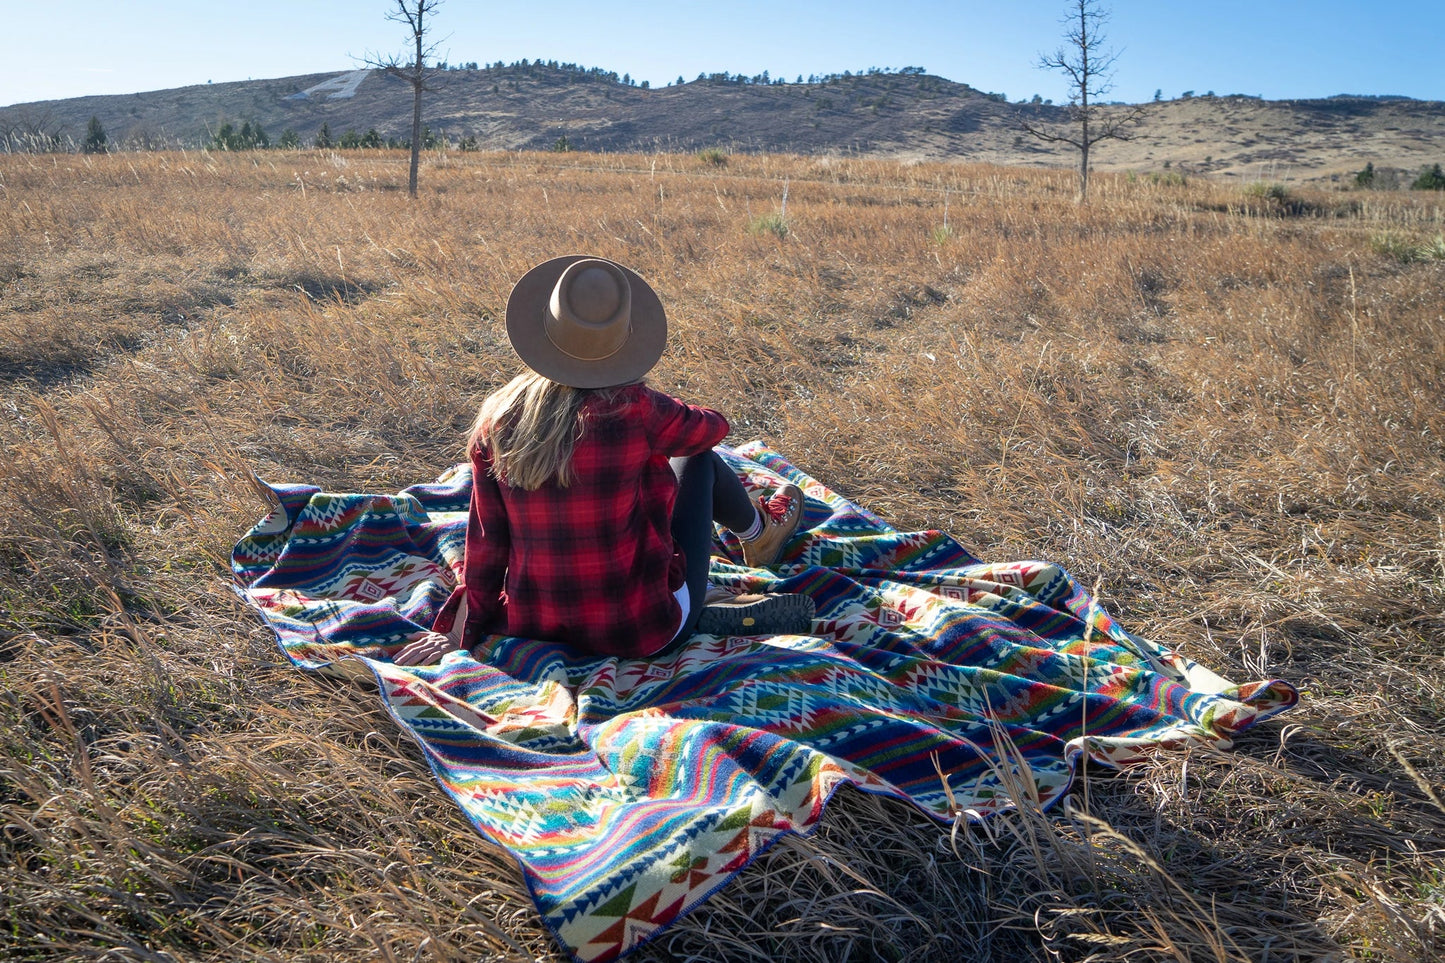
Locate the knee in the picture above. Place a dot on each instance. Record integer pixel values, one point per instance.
(695, 469)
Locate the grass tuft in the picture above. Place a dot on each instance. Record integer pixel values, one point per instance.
(713, 156)
(1407, 249)
(775, 224)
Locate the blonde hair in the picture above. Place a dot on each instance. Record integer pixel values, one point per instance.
(531, 425)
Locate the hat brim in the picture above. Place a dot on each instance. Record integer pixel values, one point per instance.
(527, 306)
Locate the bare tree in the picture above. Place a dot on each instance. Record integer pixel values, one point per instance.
(416, 15)
(30, 132)
(1084, 59)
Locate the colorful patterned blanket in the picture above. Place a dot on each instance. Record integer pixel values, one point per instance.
(628, 790)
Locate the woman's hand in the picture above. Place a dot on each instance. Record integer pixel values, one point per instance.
(425, 648)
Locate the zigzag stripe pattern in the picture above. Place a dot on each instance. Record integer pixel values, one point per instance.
(627, 790)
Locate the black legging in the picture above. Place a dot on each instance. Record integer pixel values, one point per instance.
(707, 492)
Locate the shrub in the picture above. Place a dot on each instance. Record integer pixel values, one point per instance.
(1168, 179)
(1366, 178)
(1430, 179)
(249, 137)
(714, 156)
(1267, 191)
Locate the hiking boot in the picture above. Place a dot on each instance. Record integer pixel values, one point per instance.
(725, 614)
(780, 513)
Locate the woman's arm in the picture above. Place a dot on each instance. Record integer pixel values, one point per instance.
(679, 429)
(477, 600)
(489, 543)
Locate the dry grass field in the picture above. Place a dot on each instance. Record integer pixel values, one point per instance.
(1225, 407)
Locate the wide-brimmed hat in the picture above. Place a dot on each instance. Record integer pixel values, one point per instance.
(586, 322)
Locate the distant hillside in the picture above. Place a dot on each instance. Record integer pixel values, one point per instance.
(907, 113)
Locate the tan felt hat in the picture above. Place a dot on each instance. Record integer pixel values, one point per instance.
(586, 322)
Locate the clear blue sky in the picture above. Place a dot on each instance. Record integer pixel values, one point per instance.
(68, 48)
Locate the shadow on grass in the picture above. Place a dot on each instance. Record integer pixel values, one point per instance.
(321, 287)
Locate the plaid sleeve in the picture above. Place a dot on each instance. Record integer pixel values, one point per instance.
(681, 429)
(447, 615)
(488, 546)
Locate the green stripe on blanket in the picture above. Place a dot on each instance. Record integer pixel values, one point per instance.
(628, 790)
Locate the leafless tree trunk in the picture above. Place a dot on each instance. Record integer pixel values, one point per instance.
(1089, 66)
(415, 14)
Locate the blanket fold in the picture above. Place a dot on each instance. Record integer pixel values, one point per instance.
(627, 790)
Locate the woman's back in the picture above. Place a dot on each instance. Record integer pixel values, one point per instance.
(593, 562)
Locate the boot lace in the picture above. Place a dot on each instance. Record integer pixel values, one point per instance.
(776, 506)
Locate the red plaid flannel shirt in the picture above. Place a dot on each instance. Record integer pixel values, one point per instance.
(593, 564)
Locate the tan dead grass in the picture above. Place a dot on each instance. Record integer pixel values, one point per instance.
(1229, 414)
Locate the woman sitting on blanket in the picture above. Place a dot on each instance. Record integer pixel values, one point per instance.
(594, 496)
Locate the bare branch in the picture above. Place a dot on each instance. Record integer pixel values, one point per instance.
(1046, 134)
(1120, 127)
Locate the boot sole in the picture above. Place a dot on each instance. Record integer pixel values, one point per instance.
(772, 615)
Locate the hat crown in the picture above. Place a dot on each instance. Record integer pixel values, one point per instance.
(589, 314)
(595, 294)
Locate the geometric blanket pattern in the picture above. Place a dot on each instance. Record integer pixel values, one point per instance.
(627, 790)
